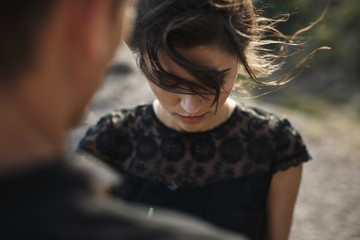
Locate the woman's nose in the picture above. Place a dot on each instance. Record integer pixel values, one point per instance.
(191, 103)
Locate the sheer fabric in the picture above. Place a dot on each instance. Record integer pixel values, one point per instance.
(221, 175)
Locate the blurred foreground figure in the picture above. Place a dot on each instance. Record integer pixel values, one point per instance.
(52, 59)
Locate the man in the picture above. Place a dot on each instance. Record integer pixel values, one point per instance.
(53, 54)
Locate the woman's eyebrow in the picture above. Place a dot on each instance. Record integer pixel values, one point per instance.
(215, 68)
(224, 72)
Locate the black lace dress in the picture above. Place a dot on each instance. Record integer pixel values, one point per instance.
(221, 175)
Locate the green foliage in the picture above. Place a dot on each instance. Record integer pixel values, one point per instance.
(355, 105)
(313, 107)
(340, 30)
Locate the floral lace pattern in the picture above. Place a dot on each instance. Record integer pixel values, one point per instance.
(250, 140)
(226, 170)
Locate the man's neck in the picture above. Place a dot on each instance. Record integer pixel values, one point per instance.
(22, 143)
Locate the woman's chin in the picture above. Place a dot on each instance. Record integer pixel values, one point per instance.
(191, 128)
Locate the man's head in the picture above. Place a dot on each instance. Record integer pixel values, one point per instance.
(19, 23)
(53, 54)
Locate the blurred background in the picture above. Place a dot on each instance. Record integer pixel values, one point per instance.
(333, 76)
(323, 103)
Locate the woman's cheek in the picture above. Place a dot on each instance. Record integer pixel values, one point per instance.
(165, 97)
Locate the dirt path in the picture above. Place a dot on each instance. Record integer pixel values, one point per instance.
(329, 200)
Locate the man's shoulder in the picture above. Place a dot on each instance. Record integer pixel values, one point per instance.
(60, 201)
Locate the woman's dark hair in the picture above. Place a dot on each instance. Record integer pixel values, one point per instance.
(232, 25)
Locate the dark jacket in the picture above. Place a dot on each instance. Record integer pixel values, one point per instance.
(59, 201)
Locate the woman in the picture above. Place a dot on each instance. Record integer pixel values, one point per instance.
(194, 149)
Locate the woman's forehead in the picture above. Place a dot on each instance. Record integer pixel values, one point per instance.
(209, 56)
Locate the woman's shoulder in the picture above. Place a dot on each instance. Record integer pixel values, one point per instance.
(255, 115)
(119, 117)
(276, 133)
(112, 127)
(253, 111)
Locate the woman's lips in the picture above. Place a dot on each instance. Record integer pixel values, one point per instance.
(191, 119)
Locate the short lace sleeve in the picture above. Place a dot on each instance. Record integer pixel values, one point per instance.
(109, 139)
(98, 139)
(291, 147)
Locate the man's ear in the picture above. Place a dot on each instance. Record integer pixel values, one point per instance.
(89, 29)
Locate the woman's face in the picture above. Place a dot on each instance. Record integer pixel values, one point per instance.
(193, 113)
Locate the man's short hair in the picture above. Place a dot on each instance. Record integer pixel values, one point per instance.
(20, 22)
